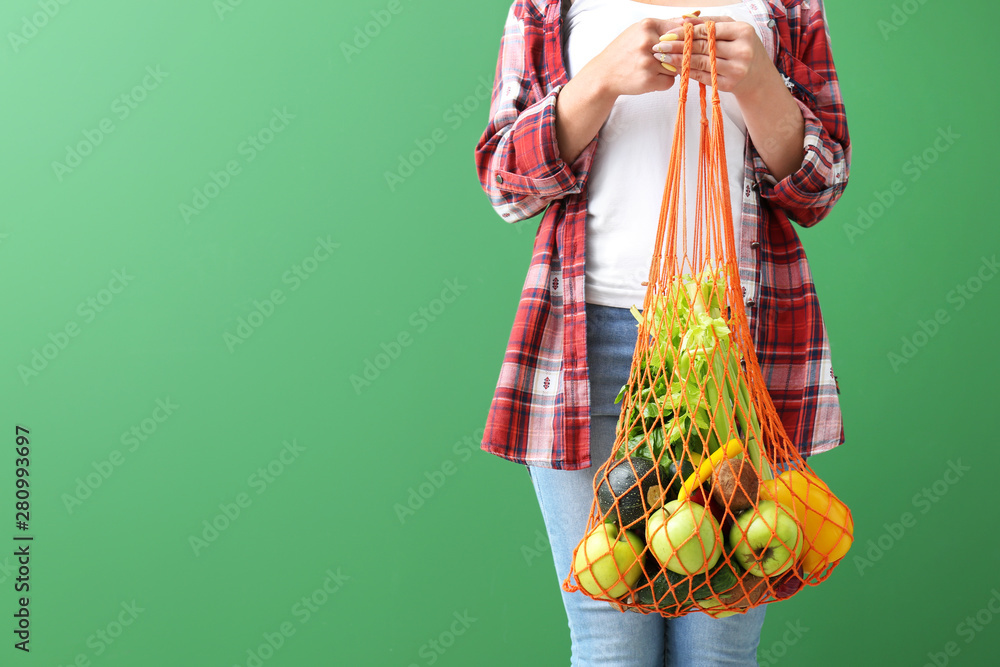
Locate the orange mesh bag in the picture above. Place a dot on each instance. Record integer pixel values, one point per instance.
(705, 504)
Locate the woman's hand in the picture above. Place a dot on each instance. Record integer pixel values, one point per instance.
(741, 60)
(625, 66)
(773, 118)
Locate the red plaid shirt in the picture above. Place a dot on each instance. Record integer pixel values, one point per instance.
(540, 411)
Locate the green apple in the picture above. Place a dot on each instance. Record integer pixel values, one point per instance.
(607, 566)
(710, 604)
(773, 540)
(684, 537)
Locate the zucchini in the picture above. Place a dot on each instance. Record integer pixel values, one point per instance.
(626, 487)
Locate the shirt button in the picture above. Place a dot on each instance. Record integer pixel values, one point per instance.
(751, 303)
(770, 23)
(499, 178)
(755, 245)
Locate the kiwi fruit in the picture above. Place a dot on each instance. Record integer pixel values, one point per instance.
(735, 484)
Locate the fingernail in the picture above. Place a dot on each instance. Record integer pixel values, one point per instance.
(669, 37)
(692, 15)
(669, 67)
(662, 57)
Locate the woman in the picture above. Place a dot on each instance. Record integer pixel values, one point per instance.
(581, 121)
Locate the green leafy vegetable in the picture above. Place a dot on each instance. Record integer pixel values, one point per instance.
(687, 386)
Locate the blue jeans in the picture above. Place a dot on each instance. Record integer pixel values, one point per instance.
(600, 634)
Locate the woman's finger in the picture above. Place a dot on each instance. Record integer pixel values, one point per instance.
(676, 46)
(723, 68)
(729, 32)
(680, 23)
(724, 32)
(676, 29)
(700, 30)
(706, 78)
(702, 63)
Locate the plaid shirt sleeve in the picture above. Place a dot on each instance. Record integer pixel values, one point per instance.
(806, 64)
(517, 157)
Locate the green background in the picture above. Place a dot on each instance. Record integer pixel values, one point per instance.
(475, 546)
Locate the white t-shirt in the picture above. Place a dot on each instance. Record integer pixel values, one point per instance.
(625, 187)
